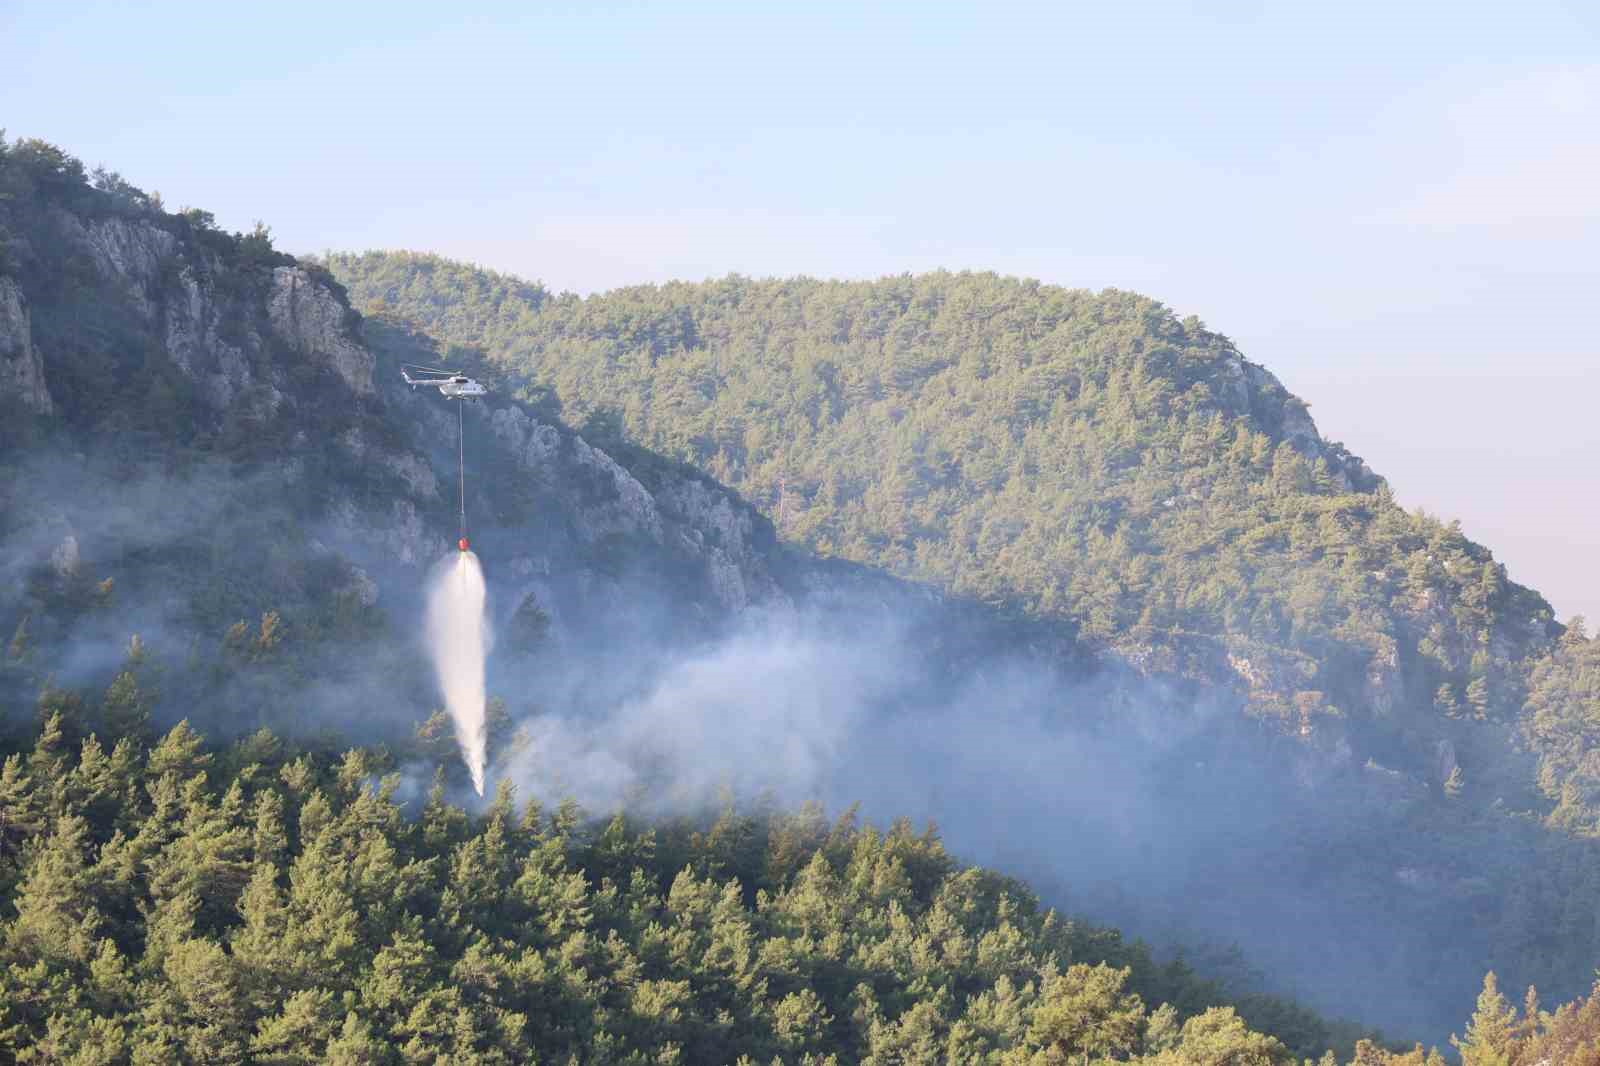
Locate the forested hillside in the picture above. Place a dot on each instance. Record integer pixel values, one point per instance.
(1070, 455)
(1094, 461)
(201, 444)
(171, 904)
(218, 505)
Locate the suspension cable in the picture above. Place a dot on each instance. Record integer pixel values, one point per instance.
(461, 461)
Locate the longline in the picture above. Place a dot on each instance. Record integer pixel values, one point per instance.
(461, 462)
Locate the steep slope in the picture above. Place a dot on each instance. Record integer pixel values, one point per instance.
(197, 432)
(203, 447)
(1091, 460)
(218, 501)
(259, 905)
(1075, 456)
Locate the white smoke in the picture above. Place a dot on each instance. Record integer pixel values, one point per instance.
(458, 641)
(771, 710)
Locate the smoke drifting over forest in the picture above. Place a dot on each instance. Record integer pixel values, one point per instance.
(227, 467)
(1166, 816)
(1117, 797)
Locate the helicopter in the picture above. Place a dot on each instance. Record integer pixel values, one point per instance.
(451, 384)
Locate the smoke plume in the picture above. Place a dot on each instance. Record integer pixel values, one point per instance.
(458, 643)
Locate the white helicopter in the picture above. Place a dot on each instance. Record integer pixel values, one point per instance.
(451, 384)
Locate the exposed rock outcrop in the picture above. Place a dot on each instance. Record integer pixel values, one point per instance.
(534, 444)
(131, 252)
(306, 315)
(723, 529)
(400, 532)
(414, 471)
(191, 320)
(21, 368)
(1445, 762)
(1253, 391)
(685, 514)
(631, 510)
(360, 588)
(65, 557)
(210, 315)
(171, 289)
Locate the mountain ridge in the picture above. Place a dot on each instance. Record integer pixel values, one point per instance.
(678, 347)
(186, 504)
(205, 432)
(1092, 460)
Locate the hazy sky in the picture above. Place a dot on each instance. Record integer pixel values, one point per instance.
(1393, 206)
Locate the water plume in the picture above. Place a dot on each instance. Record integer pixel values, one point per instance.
(458, 643)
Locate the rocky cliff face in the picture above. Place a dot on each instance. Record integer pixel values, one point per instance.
(266, 339)
(220, 321)
(21, 368)
(1252, 391)
(603, 507)
(256, 333)
(305, 314)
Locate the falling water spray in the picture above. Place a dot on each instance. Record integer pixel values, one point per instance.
(456, 633)
(458, 643)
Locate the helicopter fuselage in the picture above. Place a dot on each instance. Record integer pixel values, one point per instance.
(453, 386)
(462, 389)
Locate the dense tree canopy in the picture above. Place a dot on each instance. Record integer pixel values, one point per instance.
(1087, 460)
(1061, 453)
(1093, 459)
(164, 902)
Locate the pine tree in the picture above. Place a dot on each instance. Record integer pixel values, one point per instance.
(57, 916)
(1162, 1030)
(1478, 698)
(355, 1045)
(1219, 1036)
(21, 644)
(299, 1033)
(1491, 1034)
(1084, 1012)
(269, 840)
(105, 787)
(22, 813)
(181, 753)
(48, 763)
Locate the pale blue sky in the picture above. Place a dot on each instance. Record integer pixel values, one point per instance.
(1393, 206)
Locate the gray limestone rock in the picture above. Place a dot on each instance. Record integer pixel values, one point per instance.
(633, 510)
(21, 368)
(307, 316)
